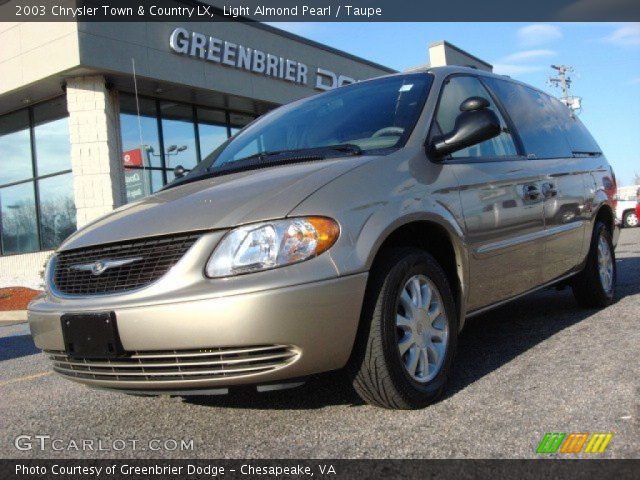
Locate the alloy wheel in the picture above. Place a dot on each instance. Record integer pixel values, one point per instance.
(422, 328)
(605, 264)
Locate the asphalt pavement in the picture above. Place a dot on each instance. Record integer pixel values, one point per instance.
(537, 365)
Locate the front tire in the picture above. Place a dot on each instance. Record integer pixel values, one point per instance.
(595, 286)
(408, 333)
(630, 219)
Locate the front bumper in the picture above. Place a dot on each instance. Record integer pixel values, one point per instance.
(315, 322)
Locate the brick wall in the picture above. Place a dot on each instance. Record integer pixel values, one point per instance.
(98, 177)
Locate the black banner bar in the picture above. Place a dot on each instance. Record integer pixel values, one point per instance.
(323, 469)
(318, 11)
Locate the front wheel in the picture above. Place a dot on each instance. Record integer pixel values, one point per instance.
(406, 348)
(595, 286)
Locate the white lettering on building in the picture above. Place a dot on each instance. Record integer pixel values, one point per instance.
(216, 50)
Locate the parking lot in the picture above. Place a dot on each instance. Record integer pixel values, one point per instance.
(537, 365)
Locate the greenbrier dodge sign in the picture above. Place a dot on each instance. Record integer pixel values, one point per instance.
(233, 55)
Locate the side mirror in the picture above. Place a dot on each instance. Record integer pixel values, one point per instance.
(179, 171)
(475, 124)
(472, 104)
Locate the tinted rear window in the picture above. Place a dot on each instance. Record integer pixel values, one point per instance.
(577, 134)
(534, 117)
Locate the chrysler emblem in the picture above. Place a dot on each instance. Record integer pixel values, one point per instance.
(100, 266)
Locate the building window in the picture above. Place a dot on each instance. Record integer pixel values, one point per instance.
(143, 168)
(57, 210)
(37, 208)
(168, 134)
(179, 136)
(238, 121)
(19, 228)
(212, 128)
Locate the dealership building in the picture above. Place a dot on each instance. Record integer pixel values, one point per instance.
(95, 115)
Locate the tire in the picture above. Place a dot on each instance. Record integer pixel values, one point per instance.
(377, 367)
(589, 287)
(630, 219)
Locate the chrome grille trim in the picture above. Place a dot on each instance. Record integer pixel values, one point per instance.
(200, 364)
(204, 352)
(153, 258)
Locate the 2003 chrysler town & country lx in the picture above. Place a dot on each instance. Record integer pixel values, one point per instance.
(357, 228)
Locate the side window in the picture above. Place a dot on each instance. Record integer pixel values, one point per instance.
(534, 117)
(456, 91)
(579, 138)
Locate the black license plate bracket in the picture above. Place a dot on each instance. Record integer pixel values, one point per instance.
(91, 335)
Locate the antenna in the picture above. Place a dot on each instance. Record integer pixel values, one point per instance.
(135, 90)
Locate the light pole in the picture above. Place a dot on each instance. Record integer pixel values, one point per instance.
(172, 150)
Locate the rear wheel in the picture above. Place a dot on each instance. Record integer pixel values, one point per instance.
(594, 287)
(630, 219)
(405, 351)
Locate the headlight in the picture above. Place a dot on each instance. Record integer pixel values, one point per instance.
(267, 245)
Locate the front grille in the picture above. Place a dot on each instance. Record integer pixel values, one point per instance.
(170, 365)
(155, 256)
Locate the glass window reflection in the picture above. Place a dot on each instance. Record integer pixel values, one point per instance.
(212, 130)
(15, 145)
(140, 135)
(179, 135)
(19, 228)
(24, 226)
(57, 210)
(51, 132)
(186, 132)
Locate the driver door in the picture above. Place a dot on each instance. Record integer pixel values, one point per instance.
(501, 202)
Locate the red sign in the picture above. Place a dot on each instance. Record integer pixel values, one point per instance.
(132, 158)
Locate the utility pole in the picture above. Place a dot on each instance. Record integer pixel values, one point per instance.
(563, 81)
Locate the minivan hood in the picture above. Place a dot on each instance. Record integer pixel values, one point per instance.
(215, 203)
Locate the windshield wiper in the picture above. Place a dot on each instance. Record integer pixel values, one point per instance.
(267, 159)
(261, 157)
(351, 148)
(303, 154)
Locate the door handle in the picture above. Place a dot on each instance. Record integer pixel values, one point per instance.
(531, 192)
(549, 190)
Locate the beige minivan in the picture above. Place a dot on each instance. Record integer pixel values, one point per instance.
(356, 229)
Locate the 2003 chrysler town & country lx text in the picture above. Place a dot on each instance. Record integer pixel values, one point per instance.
(357, 228)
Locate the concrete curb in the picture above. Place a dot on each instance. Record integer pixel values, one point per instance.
(13, 316)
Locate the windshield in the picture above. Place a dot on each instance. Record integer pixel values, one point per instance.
(367, 116)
